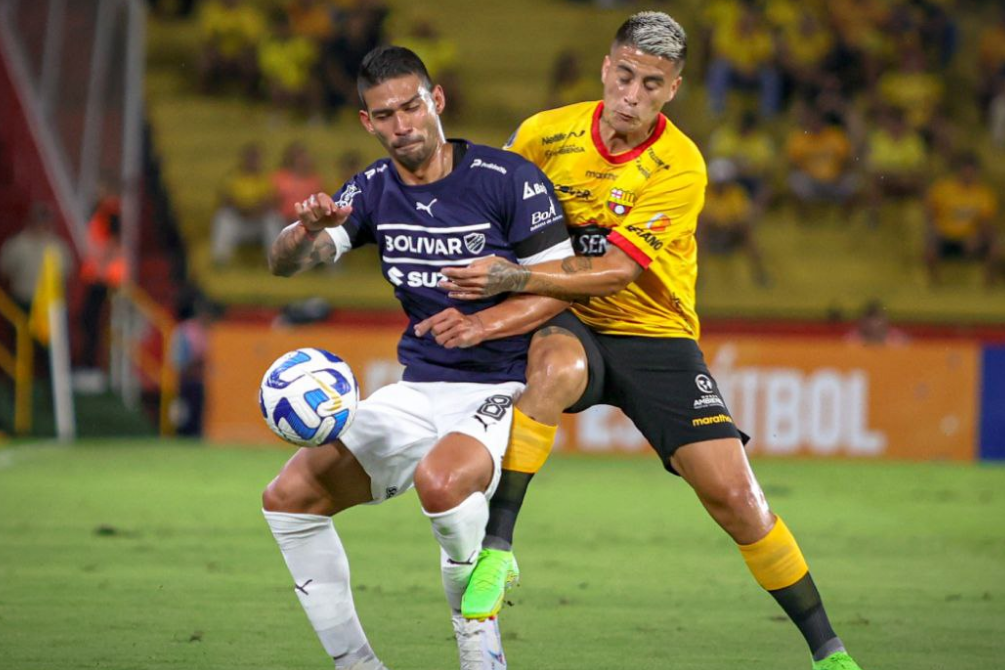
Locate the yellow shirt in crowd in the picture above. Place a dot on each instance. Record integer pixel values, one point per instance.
(231, 30)
(649, 199)
(957, 209)
(821, 155)
(726, 206)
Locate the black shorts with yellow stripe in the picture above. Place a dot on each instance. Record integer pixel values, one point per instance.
(661, 383)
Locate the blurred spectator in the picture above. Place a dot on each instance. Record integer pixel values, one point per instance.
(247, 211)
(229, 32)
(313, 19)
(439, 53)
(819, 156)
(21, 254)
(103, 270)
(287, 62)
(874, 329)
(743, 58)
(752, 150)
(361, 29)
(189, 346)
(863, 46)
(567, 84)
(727, 220)
(896, 159)
(803, 48)
(914, 90)
(295, 180)
(348, 164)
(961, 209)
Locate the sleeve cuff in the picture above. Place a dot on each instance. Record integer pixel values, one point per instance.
(637, 255)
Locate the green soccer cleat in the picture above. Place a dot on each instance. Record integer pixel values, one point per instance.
(838, 661)
(495, 572)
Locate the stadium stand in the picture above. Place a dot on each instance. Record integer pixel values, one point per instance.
(874, 251)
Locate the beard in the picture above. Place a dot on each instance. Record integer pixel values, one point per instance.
(412, 151)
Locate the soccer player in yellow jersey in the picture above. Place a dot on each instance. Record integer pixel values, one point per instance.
(631, 185)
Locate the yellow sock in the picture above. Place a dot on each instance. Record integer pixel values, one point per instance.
(530, 443)
(775, 560)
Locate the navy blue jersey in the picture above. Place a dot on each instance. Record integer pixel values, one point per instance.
(493, 202)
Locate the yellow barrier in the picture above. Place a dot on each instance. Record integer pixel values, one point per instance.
(18, 365)
(165, 374)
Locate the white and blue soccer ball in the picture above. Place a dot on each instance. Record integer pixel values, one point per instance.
(309, 397)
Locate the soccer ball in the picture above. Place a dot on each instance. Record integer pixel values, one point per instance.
(308, 397)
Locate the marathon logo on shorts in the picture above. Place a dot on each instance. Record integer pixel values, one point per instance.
(711, 420)
(620, 201)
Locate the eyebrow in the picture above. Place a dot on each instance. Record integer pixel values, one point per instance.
(382, 110)
(657, 78)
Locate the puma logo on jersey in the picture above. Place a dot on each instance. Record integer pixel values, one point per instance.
(428, 209)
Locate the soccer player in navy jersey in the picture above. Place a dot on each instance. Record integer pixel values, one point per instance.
(445, 426)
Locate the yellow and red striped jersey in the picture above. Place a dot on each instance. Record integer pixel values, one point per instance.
(647, 202)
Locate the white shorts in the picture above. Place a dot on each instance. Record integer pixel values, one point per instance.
(398, 424)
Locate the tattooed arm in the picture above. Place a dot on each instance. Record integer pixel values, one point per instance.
(572, 278)
(304, 244)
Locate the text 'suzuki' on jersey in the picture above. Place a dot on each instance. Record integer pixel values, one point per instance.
(492, 203)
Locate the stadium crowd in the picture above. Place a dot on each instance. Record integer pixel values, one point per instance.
(835, 109)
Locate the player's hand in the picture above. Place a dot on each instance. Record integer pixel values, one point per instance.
(453, 329)
(483, 278)
(319, 212)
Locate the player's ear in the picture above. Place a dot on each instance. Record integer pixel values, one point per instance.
(674, 86)
(604, 68)
(364, 118)
(439, 99)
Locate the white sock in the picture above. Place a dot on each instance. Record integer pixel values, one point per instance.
(316, 560)
(455, 579)
(460, 530)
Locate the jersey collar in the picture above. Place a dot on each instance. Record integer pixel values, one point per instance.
(631, 154)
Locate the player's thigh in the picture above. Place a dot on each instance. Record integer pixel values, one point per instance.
(391, 432)
(565, 332)
(482, 413)
(665, 388)
(318, 480)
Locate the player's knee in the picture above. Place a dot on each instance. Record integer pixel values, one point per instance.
(284, 495)
(738, 507)
(557, 367)
(439, 490)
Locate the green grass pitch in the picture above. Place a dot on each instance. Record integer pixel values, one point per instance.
(153, 555)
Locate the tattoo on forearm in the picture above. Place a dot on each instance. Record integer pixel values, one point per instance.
(294, 251)
(505, 277)
(574, 264)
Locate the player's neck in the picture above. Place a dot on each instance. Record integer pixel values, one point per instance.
(437, 166)
(617, 143)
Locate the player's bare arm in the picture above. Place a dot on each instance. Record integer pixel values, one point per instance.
(301, 245)
(518, 315)
(570, 279)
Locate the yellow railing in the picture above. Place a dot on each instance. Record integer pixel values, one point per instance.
(19, 364)
(160, 372)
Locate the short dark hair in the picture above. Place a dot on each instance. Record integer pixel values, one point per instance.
(389, 62)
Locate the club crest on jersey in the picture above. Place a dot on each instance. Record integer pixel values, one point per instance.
(620, 201)
(474, 242)
(348, 195)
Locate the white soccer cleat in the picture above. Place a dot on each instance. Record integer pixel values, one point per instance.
(479, 644)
